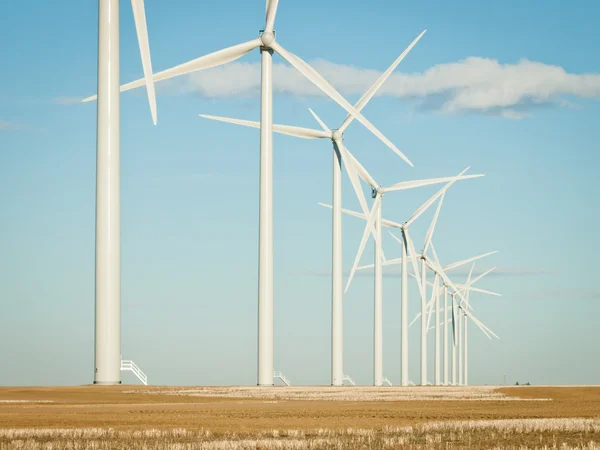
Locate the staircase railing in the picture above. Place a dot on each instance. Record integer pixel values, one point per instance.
(129, 366)
(349, 380)
(281, 376)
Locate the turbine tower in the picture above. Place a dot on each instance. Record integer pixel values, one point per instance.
(107, 352)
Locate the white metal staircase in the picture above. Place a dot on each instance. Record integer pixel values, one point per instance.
(349, 380)
(281, 376)
(129, 366)
(388, 382)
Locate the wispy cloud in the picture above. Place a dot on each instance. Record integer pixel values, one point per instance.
(66, 101)
(12, 126)
(395, 271)
(206, 179)
(563, 294)
(475, 84)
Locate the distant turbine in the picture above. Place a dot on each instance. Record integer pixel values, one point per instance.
(446, 308)
(467, 289)
(409, 253)
(374, 220)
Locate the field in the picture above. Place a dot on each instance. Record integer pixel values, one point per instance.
(299, 417)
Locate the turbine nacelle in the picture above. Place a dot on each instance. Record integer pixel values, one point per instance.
(337, 135)
(377, 191)
(267, 38)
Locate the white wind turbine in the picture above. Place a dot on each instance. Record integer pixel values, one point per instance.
(408, 249)
(468, 288)
(436, 267)
(435, 302)
(461, 308)
(267, 44)
(352, 166)
(374, 220)
(107, 354)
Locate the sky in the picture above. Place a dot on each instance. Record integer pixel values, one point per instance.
(511, 89)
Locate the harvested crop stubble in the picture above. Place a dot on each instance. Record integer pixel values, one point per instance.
(567, 433)
(130, 408)
(354, 393)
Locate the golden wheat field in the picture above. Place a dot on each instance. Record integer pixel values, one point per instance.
(131, 417)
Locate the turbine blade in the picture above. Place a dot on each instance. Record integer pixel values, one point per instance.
(389, 223)
(479, 324)
(483, 291)
(361, 170)
(431, 303)
(312, 75)
(351, 169)
(466, 291)
(386, 223)
(430, 202)
(414, 320)
(271, 13)
(141, 28)
(318, 119)
(367, 96)
(347, 211)
(433, 223)
(456, 264)
(438, 269)
(214, 59)
(353, 176)
(418, 183)
(305, 133)
(453, 321)
(389, 262)
(396, 238)
(393, 262)
(413, 258)
(482, 275)
(470, 274)
(363, 242)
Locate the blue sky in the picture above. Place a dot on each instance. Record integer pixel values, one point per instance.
(510, 89)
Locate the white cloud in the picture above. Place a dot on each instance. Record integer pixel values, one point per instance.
(395, 271)
(66, 101)
(10, 126)
(474, 84)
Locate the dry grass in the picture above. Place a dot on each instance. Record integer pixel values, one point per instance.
(497, 434)
(352, 394)
(155, 418)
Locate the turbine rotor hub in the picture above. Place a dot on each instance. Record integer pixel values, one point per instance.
(267, 38)
(337, 135)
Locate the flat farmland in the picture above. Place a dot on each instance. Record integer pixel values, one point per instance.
(299, 417)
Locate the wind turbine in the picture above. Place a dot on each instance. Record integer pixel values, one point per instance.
(375, 220)
(435, 302)
(107, 354)
(468, 288)
(406, 243)
(445, 310)
(267, 44)
(352, 166)
(462, 308)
